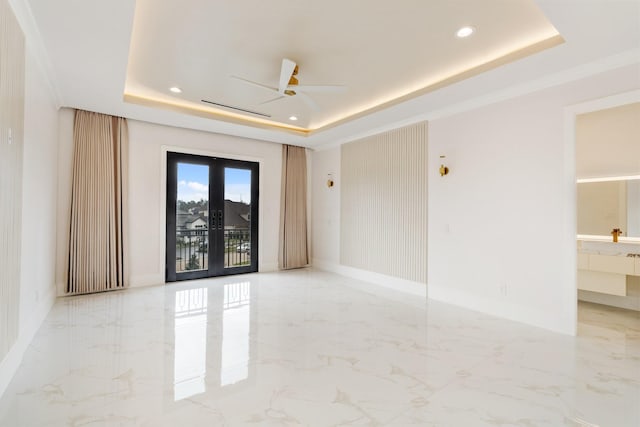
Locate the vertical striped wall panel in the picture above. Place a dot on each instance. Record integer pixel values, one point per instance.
(383, 217)
(11, 147)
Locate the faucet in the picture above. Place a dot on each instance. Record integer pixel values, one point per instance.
(615, 233)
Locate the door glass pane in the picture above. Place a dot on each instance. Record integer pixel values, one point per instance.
(192, 218)
(237, 217)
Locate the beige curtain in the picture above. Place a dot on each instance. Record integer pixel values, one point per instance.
(293, 209)
(98, 237)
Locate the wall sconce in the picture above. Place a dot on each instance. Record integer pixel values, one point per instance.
(443, 169)
(330, 180)
(616, 232)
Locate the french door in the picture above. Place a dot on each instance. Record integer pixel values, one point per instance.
(212, 217)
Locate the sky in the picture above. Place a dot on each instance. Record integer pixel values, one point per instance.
(193, 183)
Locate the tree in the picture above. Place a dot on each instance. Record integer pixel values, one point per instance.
(193, 263)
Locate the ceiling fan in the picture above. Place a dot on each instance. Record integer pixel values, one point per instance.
(288, 85)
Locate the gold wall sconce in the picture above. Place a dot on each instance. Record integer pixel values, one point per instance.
(443, 169)
(330, 180)
(616, 232)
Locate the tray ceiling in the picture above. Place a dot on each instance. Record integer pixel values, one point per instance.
(382, 52)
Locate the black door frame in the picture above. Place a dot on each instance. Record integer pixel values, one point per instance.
(215, 225)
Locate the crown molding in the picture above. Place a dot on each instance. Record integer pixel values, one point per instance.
(609, 63)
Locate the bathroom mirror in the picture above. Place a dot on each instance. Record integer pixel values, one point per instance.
(605, 205)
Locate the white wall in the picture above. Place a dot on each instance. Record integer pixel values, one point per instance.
(147, 186)
(325, 208)
(502, 224)
(601, 207)
(497, 241)
(383, 205)
(326, 225)
(39, 197)
(37, 285)
(65, 177)
(12, 88)
(608, 142)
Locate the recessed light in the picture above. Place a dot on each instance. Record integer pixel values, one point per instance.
(293, 118)
(175, 89)
(465, 32)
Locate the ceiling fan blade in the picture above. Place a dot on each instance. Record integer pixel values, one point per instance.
(273, 89)
(288, 66)
(308, 100)
(271, 100)
(319, 88)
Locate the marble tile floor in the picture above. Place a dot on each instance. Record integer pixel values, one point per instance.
(315, 349)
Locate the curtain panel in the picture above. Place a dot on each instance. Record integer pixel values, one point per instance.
(98, 244)
(293, 251)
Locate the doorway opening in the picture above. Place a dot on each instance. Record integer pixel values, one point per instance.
(212, 217)
(607, 206)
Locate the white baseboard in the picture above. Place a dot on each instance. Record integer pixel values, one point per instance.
(395, 283)
(146, 280)
(503, 309)
(267, 267)
(138, 281)
(11, 362)
(60, 289)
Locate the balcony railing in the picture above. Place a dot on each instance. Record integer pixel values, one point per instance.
(237, 247)
(192, 249)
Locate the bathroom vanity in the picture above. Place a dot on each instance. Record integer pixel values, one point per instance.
(607, 267)
(606, 210)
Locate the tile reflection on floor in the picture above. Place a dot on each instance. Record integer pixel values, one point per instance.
(311, 348)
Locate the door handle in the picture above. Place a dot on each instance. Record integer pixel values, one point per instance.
(213, 220)
(220, 221)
